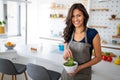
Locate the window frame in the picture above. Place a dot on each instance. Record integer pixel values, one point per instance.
(5, 17)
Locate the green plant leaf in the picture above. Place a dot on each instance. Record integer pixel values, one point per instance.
(70, 62)
(0, 22)
(4, 22)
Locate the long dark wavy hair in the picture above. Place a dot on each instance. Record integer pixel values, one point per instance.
(69, 26)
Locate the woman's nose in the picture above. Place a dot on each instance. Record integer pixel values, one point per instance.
(75, 18)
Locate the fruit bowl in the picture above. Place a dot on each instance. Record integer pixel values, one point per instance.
(10, 47)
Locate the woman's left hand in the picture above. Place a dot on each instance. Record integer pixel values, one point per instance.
(74, 73)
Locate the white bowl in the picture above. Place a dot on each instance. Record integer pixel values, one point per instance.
(70, 69)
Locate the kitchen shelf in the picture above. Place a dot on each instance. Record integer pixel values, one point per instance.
(116, 36)
(54, 16)
(58, 18)
(103, 9)
(111, 46)
(102, 0)
(58, 8)
(114, 18)
(55, 6)
(98, 26)
(53, 38)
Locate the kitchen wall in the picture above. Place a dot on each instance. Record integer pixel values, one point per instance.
(100, 18)
(1, 10)
(44, 25)
(41, 24)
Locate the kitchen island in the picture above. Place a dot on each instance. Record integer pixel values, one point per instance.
(52, 58)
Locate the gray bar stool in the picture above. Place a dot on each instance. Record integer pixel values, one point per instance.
(37, 72)
(10, 68)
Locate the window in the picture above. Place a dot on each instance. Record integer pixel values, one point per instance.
(12, 17)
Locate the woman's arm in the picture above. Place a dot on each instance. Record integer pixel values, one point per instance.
(67, 52)
(97, 52)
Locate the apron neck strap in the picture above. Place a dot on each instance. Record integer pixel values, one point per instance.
(71, 39)
(86, 42)
(85, 36)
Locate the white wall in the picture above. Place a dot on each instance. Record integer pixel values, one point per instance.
(1, 10)
(101, 18)
(39, 23)
(18, 40)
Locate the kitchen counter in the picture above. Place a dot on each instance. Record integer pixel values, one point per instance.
(46, 52)
(50, 54)
(101, 71)
(106, 71)
(111, 46)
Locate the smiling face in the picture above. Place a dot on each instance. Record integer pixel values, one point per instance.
(78, 18)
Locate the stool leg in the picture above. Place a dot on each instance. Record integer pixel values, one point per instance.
(2, 76)
(12, 77)
(25, 76)
(15, 77)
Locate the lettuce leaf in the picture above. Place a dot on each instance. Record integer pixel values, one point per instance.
(70, 62)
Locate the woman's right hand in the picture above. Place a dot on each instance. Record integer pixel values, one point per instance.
(67, 54)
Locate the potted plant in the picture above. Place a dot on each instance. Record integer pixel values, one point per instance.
(70, 65)
(2, 27)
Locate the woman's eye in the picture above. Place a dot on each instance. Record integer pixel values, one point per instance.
(78, 15)
(73, 16)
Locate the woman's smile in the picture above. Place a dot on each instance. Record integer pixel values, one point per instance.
(76, 22)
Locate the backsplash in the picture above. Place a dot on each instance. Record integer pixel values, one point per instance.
(101, 19)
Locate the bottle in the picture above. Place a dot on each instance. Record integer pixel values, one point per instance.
(2, 27)
(118, 29)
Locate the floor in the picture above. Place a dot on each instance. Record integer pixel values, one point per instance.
(19, 77)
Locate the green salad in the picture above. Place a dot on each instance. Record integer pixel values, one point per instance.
(70, 62)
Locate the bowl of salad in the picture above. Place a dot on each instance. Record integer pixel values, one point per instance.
(70, 65)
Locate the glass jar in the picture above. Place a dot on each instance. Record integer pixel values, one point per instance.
(118, 29)
(2, 29)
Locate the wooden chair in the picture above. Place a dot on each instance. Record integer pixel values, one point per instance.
(10, 68)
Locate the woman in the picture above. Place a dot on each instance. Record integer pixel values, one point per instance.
(79, 43)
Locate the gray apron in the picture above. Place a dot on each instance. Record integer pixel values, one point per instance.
(81, 54)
